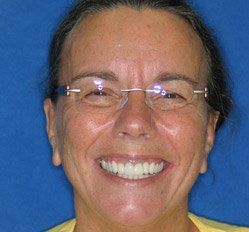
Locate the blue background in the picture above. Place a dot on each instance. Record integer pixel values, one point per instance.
(34, 195)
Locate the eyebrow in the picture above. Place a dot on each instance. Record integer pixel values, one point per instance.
(110, 76)
(167, 76)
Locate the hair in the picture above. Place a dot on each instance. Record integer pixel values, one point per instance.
(218, 96)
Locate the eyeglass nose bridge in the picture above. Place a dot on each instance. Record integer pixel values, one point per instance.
(132, 90)
(125, 97)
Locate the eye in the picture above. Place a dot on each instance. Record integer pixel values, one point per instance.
(170, 95)
(100, 97)
(97, 92)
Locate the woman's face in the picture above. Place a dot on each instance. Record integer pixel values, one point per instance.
(136, 46)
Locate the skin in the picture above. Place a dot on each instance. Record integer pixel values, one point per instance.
(137, 46)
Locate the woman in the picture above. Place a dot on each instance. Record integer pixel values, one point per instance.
(137, 91)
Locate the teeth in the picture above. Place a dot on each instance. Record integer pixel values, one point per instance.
(160, 168)
(146, 167)
(120, 169)
(115, 167)
(138, 169)
(128, 169)
(152, 167)
(109, 167)
(104, 164)
(132, 171)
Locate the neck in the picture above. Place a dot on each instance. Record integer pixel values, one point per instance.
(90, 220)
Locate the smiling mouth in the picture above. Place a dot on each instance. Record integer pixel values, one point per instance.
(131, 170)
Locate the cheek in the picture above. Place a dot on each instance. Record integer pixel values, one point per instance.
(185, 131)
(185, 134)
(80, 131)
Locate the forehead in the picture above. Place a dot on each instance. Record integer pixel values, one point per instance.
(138, 44)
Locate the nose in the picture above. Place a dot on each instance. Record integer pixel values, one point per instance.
(135, 118)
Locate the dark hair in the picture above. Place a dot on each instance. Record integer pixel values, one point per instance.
(218, 97)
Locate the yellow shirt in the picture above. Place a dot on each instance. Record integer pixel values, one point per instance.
(203, 224)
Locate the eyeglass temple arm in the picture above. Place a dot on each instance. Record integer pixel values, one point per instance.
(205, 91)
(65, 90)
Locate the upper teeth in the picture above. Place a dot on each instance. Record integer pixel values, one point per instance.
(132, 171)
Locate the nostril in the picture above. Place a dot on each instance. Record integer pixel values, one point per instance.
(145, 135)
(126, 134)
(122, 134)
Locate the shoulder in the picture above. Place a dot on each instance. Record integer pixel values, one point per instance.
(67, 226)
(203, 224)
(206, 225)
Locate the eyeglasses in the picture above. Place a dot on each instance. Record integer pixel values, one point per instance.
(97, 92)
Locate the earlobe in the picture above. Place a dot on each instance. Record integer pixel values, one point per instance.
(210, 136)
(56, 156)
(204, 166)
(49, 110)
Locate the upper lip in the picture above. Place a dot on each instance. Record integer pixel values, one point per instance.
(132, 151)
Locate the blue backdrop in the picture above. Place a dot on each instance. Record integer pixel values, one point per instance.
(34, 195)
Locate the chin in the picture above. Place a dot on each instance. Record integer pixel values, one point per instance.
(133, 212)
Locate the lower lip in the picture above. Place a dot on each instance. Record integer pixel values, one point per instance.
(114, 179)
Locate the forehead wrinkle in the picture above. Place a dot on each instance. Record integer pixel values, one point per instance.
(136, 75)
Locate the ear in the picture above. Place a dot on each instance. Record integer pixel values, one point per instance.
(49, 109)
(210, 136)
